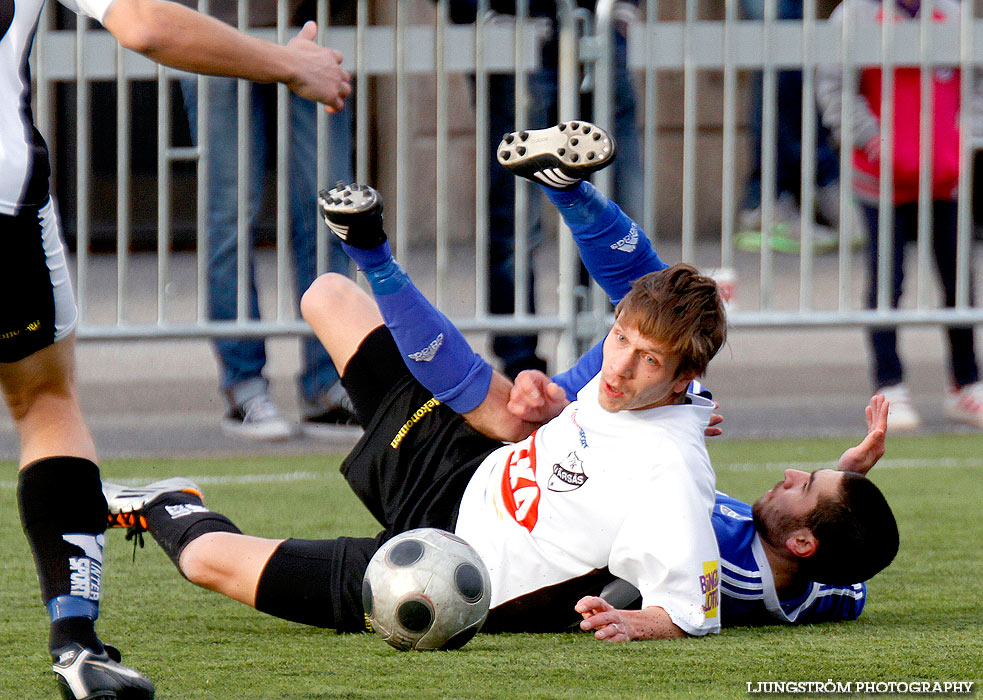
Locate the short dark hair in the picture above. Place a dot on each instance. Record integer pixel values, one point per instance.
(681, 308)
(856, 532)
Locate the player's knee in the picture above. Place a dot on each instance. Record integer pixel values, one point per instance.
(325, 292)
(23, 398)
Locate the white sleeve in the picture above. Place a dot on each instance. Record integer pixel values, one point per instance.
(95, 9)
(666, 548)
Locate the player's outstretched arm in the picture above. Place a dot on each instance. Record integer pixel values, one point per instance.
(179, 37)
(863, 457)
(612, 625)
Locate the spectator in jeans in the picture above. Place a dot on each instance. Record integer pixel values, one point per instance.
(788, 159)
(518, 352)
(964, 399)
(251, 412)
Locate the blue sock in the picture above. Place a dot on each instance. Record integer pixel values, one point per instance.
(615, 249)
(432, 347)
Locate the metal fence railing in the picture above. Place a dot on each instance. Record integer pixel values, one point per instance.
(777, 290)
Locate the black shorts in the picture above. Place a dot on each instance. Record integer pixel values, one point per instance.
(39, 306)
(410, 469)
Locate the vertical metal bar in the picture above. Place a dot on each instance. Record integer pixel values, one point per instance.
(603, 113)
(324, 136)
(964, 242)
(201, 191)
(284, 309)
(728, 200)
(808, 164)
(769, 148)
(520, 249)
(122, 185)
(362, 96)
(925, 149)
(163, 191)
(482, 159)
(244, 156)
(690, 135)
(885, 222)
(402, 239)
(568, 99)
(442, 256)
(650, 126)
(849, 78)
(82, 159)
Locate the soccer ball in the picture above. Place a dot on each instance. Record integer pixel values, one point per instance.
(426, 589)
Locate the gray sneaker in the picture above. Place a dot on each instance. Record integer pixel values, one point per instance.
(257, 418)
(332, 417)
(85, 675)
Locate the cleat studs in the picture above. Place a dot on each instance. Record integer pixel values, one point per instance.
(574, 141)
(562, 127)
(504, 155)
(574, 158)
(574, 125)
(561, 152)
(521, 150)
(523, 136)
(347, 202)
(509, 138)
(597, 136)
(590, 155)
(586, 128)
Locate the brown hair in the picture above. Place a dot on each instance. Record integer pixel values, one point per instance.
(681, 309)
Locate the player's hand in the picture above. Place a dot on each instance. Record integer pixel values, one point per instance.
(863, 457)
(715, 420)
(607, 621)
(318, 72)
(535, 398)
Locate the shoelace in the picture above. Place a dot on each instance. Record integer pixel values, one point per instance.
(258, 409)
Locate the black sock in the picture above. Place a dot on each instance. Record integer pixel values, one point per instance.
(176, 519)
(64, 514)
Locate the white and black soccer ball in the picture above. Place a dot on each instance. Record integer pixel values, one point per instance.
(426, 589)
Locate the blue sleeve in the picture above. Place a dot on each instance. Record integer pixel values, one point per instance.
(574, 379)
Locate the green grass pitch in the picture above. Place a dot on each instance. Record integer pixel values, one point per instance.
(923, 621)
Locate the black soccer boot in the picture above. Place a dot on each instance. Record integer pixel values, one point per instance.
(354, 214)
(560, 156)
(85, 675)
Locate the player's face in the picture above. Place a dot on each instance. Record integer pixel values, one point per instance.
(637, 372)
(793, 498)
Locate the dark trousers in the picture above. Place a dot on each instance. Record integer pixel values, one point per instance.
(884, 341)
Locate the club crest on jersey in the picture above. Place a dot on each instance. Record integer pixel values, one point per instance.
(731, 513)
(429, 352)
(628, 242)
(568, 475)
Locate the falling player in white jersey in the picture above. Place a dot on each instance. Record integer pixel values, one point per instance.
(62, 507)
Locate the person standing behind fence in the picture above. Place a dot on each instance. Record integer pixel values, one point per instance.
(251, 413)
(787, 218)
(518, 352)
(964, 399)
(59, 489)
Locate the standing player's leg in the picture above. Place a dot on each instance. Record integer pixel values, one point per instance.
(59, 491)
(614, 248)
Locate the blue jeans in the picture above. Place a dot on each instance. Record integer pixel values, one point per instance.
(884, 341)
(788, 151)
(518, 351)
(242, 359)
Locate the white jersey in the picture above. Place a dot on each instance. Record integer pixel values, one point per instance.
(24, 165)
(630, 493)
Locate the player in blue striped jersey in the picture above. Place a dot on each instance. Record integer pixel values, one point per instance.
(771, 563)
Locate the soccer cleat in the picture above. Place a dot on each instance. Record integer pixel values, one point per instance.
(127, 503)
(85, 675)
(560, 156)
(354, 214)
